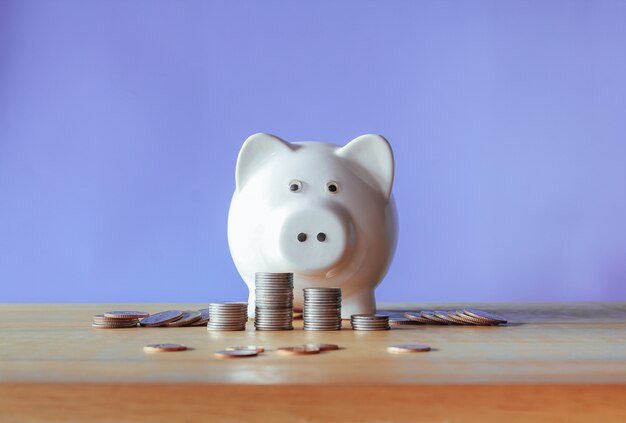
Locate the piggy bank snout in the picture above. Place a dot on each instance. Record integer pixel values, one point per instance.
(315, 240)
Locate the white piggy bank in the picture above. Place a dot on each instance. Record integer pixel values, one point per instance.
(323, 212)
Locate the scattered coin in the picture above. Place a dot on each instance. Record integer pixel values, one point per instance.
(204, 317)
(164, 348)
(235, 353)
(407, 348)
(161, 319)
(323, 347)
(126, 314)
(300, 350)
(188, 317)
(257, 348)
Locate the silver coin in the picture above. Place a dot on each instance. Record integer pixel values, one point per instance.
(470, 320)
(444, 316)
(162, 318)
(416, 317)
(188, 317)
(452, 315)
(369, 316)
(430, 315)
(371, 329)
(481, 314)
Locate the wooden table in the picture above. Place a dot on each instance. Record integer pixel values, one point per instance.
(554, 362)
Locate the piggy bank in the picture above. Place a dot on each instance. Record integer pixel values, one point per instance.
(323, 212)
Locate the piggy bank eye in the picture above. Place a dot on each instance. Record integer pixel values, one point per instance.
(332, 187)
(295, 186)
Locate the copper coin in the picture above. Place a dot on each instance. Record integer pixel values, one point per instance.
(323, 347)
(235, 353)
(257, 348)
(126, 314)
(301, 350)
(407, 348)
(162, 318)
(164, 348)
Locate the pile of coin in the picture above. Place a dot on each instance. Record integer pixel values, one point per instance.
(274, 301)
(468, 316)
(117, 319)
(169, 318)
(322, 309)
(370, 322)
(228, 316)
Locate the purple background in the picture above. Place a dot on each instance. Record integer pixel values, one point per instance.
(120, 124)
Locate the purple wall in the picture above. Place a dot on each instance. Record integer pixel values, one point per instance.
(120, 124)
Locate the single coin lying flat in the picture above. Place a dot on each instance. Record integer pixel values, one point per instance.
(164, 348)
(323, 347)
(407, 348)
(257, 348)
(300, 350)
(235, 353)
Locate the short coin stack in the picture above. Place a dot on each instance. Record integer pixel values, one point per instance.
(274, 301)
(117, 319)
(322, 309)
(227, 316)
(370, 322)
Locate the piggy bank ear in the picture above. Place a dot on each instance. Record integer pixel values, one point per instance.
(255, 151)
(374, 159)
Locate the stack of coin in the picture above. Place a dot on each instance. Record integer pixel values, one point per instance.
(370, 322)
(322, 309)
(228, 316)
(117, 319)
(274, 301)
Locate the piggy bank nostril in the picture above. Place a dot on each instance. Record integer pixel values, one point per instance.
(301, 237)
(321, 237)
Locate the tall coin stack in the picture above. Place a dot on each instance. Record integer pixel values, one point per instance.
(322, 309)
(227, 316)
(370, 322)
(274, 301)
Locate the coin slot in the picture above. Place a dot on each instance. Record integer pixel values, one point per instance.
(295, 186)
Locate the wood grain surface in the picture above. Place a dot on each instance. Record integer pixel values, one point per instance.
(556, 362)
